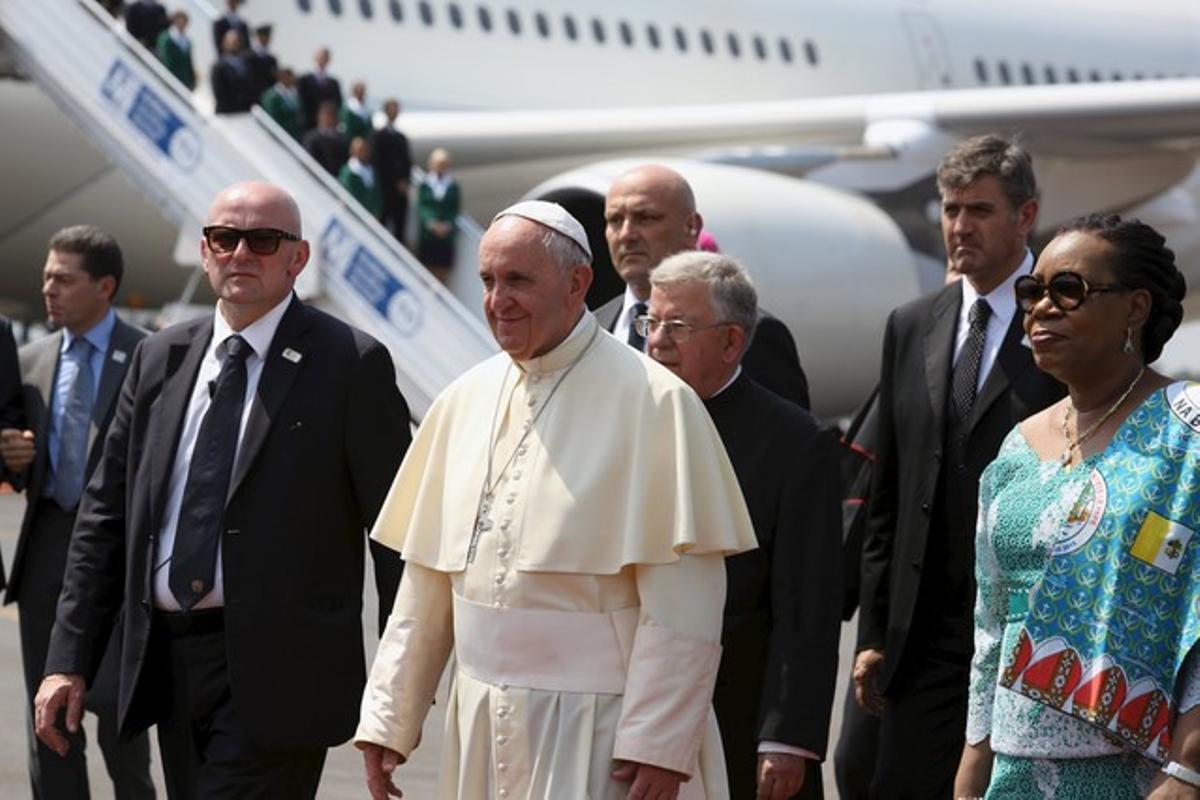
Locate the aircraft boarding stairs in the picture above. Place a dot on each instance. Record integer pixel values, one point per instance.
(181, 156)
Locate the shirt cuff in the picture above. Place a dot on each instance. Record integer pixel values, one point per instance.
(767, 746)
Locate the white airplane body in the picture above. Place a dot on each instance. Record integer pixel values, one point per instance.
(809, 129)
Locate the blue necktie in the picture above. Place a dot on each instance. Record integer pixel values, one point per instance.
(194, 555)
(76, 420)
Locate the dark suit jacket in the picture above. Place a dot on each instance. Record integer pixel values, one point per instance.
(912, 456)
(392, 158)
(222, 24)
(232, 85)
(328, 147)
(314, 92)
(780, 637)
(771, 360)
(262, 66)
(12, 414)
(325, 435)
(145, 21)
(39, 368)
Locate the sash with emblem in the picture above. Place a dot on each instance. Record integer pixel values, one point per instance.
(1118, 606)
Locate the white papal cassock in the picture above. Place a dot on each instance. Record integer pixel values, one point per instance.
(587, 626)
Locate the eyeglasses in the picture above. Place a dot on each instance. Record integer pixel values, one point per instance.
(261, 241)
(1067, 290)
(676, 329)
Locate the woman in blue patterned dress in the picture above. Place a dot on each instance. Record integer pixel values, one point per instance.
(1082, 685)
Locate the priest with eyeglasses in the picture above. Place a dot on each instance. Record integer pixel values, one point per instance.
(564, 515)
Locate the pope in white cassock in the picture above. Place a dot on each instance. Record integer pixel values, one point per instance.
(564, 511)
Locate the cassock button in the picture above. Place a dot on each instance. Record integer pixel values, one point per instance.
(511, 498)
(523, 449)
(502, 552)
(502, 766)
(501, 739)
(197, 586)
(500, 578)
(528, 424)
(503, 792)
(502, 712)
(531, 401)
(504, 523)
(516, 475)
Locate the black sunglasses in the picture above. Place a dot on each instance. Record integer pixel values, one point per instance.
(1067, 290)
(261, 241)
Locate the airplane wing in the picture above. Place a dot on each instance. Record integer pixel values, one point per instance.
(1094, 120)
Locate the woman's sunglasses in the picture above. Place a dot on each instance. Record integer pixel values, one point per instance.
(1067, 290)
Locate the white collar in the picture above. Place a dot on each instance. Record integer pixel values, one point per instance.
(1002, 299)
(258, 334)
(629, 301)
(727, 383)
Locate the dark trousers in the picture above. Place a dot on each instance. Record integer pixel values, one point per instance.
(857, 750)
(924, 725)
(51, 776)
(395, 212)
(206, 751)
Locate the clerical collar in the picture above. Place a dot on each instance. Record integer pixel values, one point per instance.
(566, 352)
(728, 383)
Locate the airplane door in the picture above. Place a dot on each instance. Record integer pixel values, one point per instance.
(930, 53)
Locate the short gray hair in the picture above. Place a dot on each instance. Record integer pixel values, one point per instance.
(979, 156)
(730, 289)
(563, 250)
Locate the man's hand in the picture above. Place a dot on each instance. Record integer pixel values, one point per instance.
(780, 775)
(57, 691)
(649, 782)
(17, 449)
(381, 763)
(867, 666)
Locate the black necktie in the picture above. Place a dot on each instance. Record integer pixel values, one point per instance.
(636, 340)
(194, 556)
(966, 369)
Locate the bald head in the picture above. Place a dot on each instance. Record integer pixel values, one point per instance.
(649, 214)
(261, 199)
(252, 250)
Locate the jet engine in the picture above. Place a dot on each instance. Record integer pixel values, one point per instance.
(827, 262)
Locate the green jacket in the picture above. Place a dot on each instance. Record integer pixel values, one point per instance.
(352, 124)
(289, 117)
(370, 199)
(430, 209)
(177, 60)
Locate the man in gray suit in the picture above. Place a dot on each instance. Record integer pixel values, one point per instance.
(71, 380)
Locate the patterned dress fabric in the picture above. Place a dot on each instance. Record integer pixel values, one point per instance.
(1041, 752)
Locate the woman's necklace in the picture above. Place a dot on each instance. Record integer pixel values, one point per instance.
(1077, 442)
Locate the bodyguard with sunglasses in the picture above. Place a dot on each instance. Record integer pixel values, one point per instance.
(955, 378)
(1089, 593)
(249, 453)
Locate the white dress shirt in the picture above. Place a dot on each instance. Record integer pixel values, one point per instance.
(258, 335)
(1004, 305)
(627, 315)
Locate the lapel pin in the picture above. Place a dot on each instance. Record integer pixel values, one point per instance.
(118, 356)
(291, 355)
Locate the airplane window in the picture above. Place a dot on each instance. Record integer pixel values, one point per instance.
(706, 41)
(569, 27)
(1137, 76)
(1051, 75)
(1027, 74)
(810, 52)
(485, 19)
(335, 7)
(456, 15)
(735, 47)
(681, 40)
(760, 48)
(426, 12)
(1072, 75)
(305, 5)
(543, 24)
(785, 51)
(1094, 76)
(514, 22)
(981, 70)
(364, 6)
(1005, 75)
(1117, 76)
(626, 33)
(652, 36)
(598, 30)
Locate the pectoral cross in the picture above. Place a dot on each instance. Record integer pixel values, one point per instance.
(483, 524)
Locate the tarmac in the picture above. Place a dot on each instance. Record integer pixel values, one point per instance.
(343, 778)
